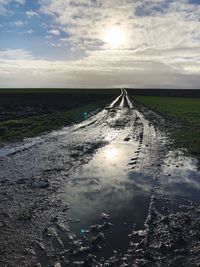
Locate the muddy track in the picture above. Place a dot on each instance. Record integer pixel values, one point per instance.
(73, 197)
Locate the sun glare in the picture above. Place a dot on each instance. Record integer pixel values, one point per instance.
(111, 153)
(115, 37)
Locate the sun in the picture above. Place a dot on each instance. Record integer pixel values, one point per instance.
(115, 37)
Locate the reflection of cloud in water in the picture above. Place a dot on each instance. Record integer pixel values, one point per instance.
(105, 185)
(140, 181)
(181, 176)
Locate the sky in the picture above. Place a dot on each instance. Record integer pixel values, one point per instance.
(100, 43)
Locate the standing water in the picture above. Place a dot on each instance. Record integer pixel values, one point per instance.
(108, 185)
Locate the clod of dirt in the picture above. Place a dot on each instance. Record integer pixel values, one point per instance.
(57, 264)
(127, 139)
(105, 216)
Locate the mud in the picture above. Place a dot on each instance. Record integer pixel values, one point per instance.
(105, 192)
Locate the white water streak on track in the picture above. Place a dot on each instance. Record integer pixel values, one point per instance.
(97, 128)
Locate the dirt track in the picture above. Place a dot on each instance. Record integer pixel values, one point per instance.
(104, 192)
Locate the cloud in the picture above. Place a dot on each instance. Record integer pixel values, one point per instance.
(54, 32)
(4, 9)
(31, 14)
(146, 23)
(30, 31)
(162, 47)
(18, 23)
(100, 69)
(17, 54)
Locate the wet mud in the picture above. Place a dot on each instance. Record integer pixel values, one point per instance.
(105, 192)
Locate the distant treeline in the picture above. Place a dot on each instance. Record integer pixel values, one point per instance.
(166, 92)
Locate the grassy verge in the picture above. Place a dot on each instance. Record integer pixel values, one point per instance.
(184, 110)
(17, 129)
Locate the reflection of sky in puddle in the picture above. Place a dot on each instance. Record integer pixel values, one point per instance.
(112, 154)
(105, 184)
(181, 176)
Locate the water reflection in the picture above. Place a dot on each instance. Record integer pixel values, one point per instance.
(112, 153)
(181, 176)
(106, 184)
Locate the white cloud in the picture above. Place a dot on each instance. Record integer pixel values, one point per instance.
(164, 24)
(162, 48)
(30, 31)
(18, 23)
(17, 54)
(31, 14)
(100, 69)
(54, 32)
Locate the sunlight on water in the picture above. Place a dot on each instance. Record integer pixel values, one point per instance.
(112, 153)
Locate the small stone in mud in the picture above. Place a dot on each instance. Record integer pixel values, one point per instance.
(57, 264)
(105, 216)
(41, 246)
(71, 236)
(127, 139)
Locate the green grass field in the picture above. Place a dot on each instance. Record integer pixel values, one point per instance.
(30, 112)
(185, 110)
(17, 129)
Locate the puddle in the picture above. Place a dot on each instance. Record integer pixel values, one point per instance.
(181, 176)
(106, 185)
